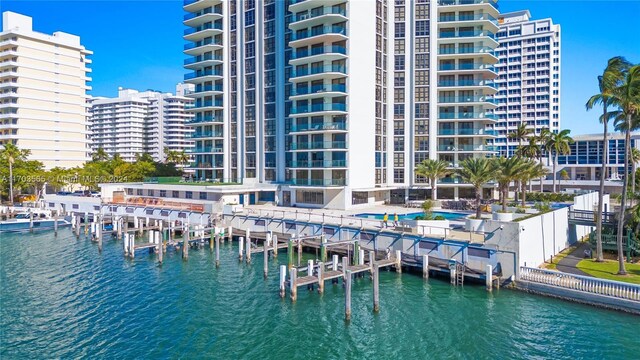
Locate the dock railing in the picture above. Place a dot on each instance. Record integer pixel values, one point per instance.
(585, 284)
(365, 223)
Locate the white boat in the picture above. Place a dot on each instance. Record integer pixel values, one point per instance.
(41, 221)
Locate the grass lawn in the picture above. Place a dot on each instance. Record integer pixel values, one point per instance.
(608, 269)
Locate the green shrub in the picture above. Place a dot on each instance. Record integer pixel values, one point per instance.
(439, 217)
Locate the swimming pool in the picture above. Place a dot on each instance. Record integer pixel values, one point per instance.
(412, 216)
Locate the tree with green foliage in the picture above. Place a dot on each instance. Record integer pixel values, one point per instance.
(609, 79)
(521, 133)
(433, 170)
(507, 170)
(531, 170)
(15, 160)
(559, 144)
(477, 172)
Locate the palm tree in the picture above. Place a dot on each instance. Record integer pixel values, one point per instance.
(627, 97)
(433, 170)
(531, 170)
(477, 172)
(557, 144)
(521, 133)
(100, 155)
(182, 157)
(533, 150)
(12, 153)
(564, 175)
(170, 155)
(606, 83)
(506, 171)
(543, 139)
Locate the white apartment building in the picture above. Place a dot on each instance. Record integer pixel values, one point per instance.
(142, 122)
(43, 93)
(529, 81)
(336, 101)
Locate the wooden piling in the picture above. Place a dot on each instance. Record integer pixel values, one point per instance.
(55, 224)
(347, 297)
(323, 248)
(299, 251)
(217, 239)
(283, 279)
(290, 254)
(345, 266)
(30, 221)
(212, 237)
(132, 246)
(334, 262)
(274, 241)
(160, 247)
(77, 226)
(321, 277)
(99, 233)
(86, 224)
(292, 284)
(376, 288)
(240, 248)
(247, 250)
(489, 277)
(185, 244)
(361, 257)
(265, 264)
(372, 260)
(309, 267)
(425, 266)
(356, 253)
(399, 261)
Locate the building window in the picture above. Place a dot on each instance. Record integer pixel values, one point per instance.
(139, 192)
(399, 30)
(149, 192)
(175, 194)
(422, 28)
(310, 197)
(163, 193)
(359, 197)
(203, 196)
(188, 194)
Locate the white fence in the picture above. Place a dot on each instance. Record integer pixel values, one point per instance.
(585, 284)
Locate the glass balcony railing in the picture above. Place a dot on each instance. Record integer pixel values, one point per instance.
(205, 149)
(330, 29)
(318, 145)
(466, 147)
(189, 2)
(205, 165)
(459, 34)
(319, 89)
(202, 43)
(212, 10)
(208, 103)
(448, 18)
(450, 180)
(319, 12)
(202, 119)
(493, 3)
(198, 74)
(318, 107)
(303, 52)
(317, 164)
(322, 126)
(470, 131)
(465, 99)
(318, 182)
(205, 88)
(465, 50)
(467, 115)
(319, 70)
(447, 83)
(205, 134)
(215, 26)
(445, 67)
(201, 58)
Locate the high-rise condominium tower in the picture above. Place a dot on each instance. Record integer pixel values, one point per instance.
(337, 101)
(142, 122)
(43, 92)
(529, 81)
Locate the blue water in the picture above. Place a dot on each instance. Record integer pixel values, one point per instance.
(60, 298)
(412, 216)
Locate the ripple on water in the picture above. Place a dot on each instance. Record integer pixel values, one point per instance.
(61, 299)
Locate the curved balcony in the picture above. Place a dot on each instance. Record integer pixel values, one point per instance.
(312, 164)
(328, 53)
(329, 33)
(466, 116)
(316, 91)
(204, 75)
(196, 5)
(487, 6)
(468, 68)
(205, 165)
(207, 105)
(319, 145)
(319, 108)
(466, 132)
(200, 47)
(205, 119)
(200, 17)
(323, 127)
(205, 150)
(204, 135)
(203, 90)
(470, 100)
(485, 52)
(467, 84)
(318, 182)
(202, 61)
(319, 72)
(317, 16)
(466, 148)
(202, 31)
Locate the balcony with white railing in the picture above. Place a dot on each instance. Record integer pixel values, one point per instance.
(317, 16)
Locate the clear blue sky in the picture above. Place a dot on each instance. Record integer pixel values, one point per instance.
(138, 44)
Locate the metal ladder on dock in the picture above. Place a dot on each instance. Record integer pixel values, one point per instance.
(458, 279)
